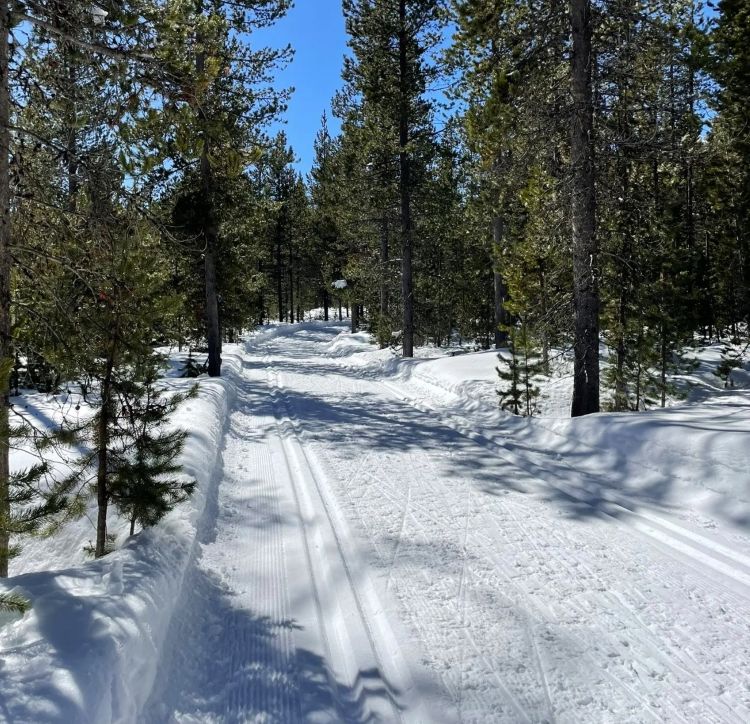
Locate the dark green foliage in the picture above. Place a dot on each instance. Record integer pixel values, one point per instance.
(730, 360)
(518, 392)
(146, 481)
(192, 367)
(13, 602)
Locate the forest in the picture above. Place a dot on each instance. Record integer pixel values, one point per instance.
(545, 177)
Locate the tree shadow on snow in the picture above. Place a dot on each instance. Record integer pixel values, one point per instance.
(583, 480)
(230, 665)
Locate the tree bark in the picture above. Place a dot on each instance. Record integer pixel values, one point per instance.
(291, 288)
(280, 278)
(383, 278)
(102, 442)
(210, 234)
(501, 289)
(407, 284)
(355, 317)
(583, 216)
(6, 353)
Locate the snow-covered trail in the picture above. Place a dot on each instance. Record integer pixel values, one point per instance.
(370, 559)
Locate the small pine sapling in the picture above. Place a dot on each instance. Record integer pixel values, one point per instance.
(192, 367)
(730, 360)
(146, 480)
(519, 394)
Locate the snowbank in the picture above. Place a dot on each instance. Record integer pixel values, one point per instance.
(88, 649)
(693, 456)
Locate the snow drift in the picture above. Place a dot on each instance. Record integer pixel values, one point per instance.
(88, 649)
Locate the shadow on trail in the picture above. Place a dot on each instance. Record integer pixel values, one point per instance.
(523, 455)
(255, 678)
(222, 661)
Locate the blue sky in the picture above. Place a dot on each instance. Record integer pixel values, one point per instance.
(315, 29)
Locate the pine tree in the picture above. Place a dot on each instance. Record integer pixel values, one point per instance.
(146, 482)
(387, 77)
(517, 373)
(215, 101)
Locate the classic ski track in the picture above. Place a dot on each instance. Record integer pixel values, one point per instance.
(660, 642)
(513, 701)
(370, 611)
(236, 555)
(684, 543)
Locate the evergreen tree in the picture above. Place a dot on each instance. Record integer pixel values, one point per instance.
(385, 102)
(519, 393)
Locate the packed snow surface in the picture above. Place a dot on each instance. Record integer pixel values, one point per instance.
(374, 540)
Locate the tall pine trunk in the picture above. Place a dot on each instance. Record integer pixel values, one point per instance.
(583, 214)
(210, 233)
(501, 289)
(407, 284)
(280, 278)
(384, 251)
(355, 317)
(6, 353)
(102, 442)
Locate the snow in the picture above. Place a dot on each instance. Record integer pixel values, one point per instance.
(374, 540)
(88, 649)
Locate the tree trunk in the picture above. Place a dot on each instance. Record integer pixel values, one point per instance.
(383, 279)
(501, 289)
(404, 160)
(583, 215)
(6, 354)
(291, 291)
(299, 298)
(280, 278)
(102, 442)
(340, 317)
(210, 234)
(212, 307)
(355, 317)
(325, 305)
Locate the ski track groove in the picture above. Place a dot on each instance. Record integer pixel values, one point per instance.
(697, 585)
(670, 534)
(366, 613)
(517, 612)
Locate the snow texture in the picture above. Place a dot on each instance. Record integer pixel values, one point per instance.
(376, 541)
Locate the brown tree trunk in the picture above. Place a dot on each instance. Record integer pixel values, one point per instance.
(383, 277)
(6, 353)
(583, 215)
(355, 317)
(210, 235)
(407, 284)
(291, 288)
(501, 289)
(280, 279)
(102, 442)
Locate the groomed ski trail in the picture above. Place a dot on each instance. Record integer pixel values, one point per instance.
(368, 558)
(278, 620)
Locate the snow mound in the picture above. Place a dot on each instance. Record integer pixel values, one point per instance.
(88, 649)
(346, 344)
